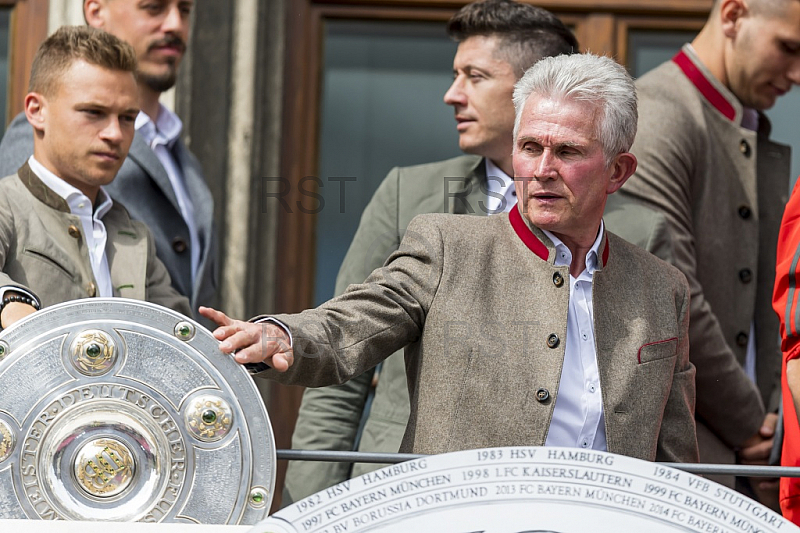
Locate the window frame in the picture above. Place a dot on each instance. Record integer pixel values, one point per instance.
(601, 26)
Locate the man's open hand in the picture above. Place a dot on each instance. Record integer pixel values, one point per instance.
(264, 342)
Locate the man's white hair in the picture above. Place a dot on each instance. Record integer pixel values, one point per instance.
(597, 80)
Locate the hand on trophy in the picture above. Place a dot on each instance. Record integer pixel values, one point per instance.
(264, 342)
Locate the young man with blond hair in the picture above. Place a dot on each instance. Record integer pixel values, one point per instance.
(61, 235)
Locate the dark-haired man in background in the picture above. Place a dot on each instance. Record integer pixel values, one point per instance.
(498, 41)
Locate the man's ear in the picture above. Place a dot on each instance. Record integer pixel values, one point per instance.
(93, 12)
(36, 111)
(730, 14)
(623, 167)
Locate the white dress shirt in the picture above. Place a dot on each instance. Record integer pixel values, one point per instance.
(94, 231)
(578, 415)
(502, 194)
(161, 137)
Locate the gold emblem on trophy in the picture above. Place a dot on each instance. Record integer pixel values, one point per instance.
(104, 467)
(6, 441)
(93, 352)
(209, 419)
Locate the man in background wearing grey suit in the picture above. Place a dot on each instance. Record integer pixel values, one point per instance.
(160, 182)
(498, 41)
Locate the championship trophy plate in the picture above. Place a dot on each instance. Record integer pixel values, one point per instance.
(120, 410)
(527, 490)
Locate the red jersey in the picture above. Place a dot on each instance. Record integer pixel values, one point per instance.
(786, 302)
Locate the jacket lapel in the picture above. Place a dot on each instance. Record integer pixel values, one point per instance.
(146, 158)
(196, 187)
(471, 191)
(126, 251)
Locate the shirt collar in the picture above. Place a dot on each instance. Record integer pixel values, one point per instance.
(494, 170)
(165, 130)
(77, 201)
(564, 256)
(750, 119)
(534, 238)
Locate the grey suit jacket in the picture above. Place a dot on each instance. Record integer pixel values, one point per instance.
(330, 417)
(143, 186)
(722, 189)
(43, 250)
(485, 374)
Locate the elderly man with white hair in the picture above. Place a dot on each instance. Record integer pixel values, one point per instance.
(536, 328)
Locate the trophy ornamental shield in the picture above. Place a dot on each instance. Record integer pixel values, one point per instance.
(121, 410)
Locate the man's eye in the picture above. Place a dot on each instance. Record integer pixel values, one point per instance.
(790, 48)
(531, 148)
(153, 8)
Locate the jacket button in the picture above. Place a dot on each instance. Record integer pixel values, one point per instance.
(741, 339)
(744, 147)
(179, 245)
(558, 279)
(542, 395)
(746, 275)
(74, 231)
(552, 340)
(91, 290)
(745, 212)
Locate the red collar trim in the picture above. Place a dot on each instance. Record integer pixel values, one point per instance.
(526, 235)
(532, 241)
(706, 88)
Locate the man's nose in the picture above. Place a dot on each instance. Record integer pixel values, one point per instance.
(545, 169)
(113, 131)
(455, 94)
(174, 21)
(794, 72)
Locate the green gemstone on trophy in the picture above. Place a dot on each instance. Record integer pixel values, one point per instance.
(2, 351)
(185, 331)
(209, 416)
(257, 497)
(94, 351)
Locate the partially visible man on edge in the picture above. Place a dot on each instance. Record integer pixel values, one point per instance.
(534, 328)
(498, 41)
(61, 236)
(706, 162)
(785, 302)
(160, 182)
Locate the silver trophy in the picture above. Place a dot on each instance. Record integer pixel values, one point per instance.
(121, 410)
